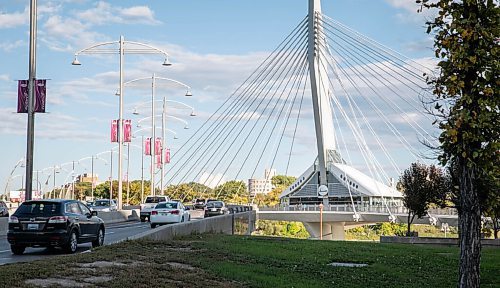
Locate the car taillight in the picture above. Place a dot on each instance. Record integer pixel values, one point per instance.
(154, 212)
(58, 219)
(175, 212)
(13, 219)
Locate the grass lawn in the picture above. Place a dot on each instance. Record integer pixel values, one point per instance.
(238, 261)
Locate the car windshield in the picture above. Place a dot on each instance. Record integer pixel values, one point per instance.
(39, 209)
(216, 204)
(168, 205)
(200, 200)
(102, 203)
(155, 199)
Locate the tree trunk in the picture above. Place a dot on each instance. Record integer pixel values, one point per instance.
(495, 227)
(409, 223)
(470, 230)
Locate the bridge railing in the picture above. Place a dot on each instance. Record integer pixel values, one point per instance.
(357, 208)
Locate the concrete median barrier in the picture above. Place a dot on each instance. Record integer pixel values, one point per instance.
(224, 224)
(119, 216)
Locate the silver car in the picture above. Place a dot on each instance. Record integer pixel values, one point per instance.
(104, 205)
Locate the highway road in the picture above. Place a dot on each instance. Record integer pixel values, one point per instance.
(114, 233)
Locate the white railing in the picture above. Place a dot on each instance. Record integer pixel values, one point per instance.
(358, 209)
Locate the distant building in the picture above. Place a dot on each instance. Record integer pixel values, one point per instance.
(262, 186)
(87, 178)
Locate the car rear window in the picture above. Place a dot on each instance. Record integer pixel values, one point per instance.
(155, 199)
(39, 209)
(102, 203)
(216, 204)
(169, 205)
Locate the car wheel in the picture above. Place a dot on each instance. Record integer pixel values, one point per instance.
(182, 219)
(100, 238)
(17, 249)
(143, 219)
(189, 217)
(153, 225)
(72, 244)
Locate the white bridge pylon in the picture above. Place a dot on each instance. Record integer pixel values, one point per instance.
(330, 171)
(363, 97)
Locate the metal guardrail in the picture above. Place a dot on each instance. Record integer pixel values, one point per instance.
(358, 209)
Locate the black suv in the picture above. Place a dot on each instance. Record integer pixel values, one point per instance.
(54, 223)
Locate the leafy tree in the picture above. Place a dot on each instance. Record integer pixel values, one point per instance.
(491, 206)
(416, 194)
(282, 180)
(189, 191)
(466, 104)
(233, 191)
(269, 199)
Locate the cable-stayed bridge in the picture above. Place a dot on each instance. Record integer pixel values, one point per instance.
(328, 101)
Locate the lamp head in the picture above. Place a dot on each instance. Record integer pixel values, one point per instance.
(186, 127)
(135, 112)
(166, 62)
(175, 137)
(76, 62)
(117, 93)
(192, 114)
(188, 93)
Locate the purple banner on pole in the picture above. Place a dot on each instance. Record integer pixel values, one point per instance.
(22, 96)
(40, 95)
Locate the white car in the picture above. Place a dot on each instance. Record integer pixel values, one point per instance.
(169, 212)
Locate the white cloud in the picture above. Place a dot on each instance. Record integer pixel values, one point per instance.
(140, 14)
(5, 77)
(14, 19)
(104, 12)
(57, 126)
(212, 180)
(9, 46)
(410, 8)
(61, 34)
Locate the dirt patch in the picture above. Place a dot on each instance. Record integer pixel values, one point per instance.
(346, 264)
(102, 264)
(182, 249)
(60, 282)
(98, 279)
(180, 265)
(85, 270)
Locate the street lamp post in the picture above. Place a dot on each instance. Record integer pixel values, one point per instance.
(135, 48)
(30, 131)
(153, 136)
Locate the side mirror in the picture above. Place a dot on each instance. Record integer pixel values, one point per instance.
(94, 213)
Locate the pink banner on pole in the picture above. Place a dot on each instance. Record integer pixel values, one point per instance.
(158, 147)
(114, 131)
(158, 161)
(127, 130)
(147, 146)
(40, 95)
(167, 155)
(22, 96)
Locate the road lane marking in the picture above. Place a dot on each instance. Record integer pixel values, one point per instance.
(3, 251)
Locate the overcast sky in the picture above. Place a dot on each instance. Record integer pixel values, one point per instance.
(213, 45)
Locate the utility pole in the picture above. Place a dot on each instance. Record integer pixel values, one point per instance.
(31, 102)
